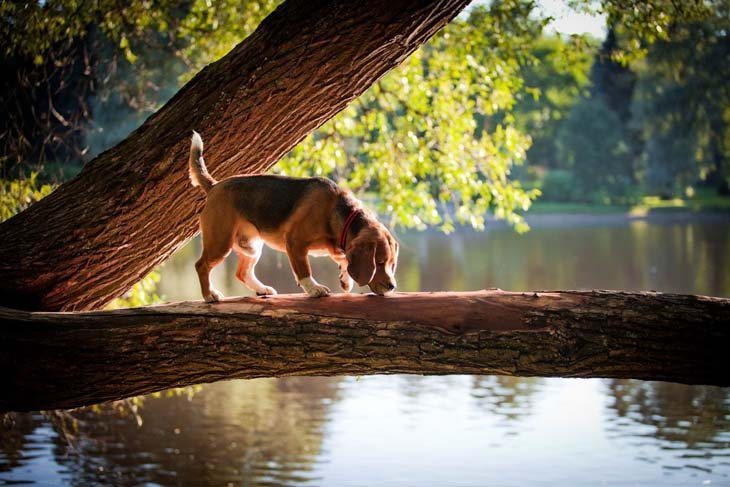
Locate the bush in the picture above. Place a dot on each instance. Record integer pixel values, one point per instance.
(558, 185)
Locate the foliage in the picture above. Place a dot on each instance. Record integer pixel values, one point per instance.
(592, 142)
(213, 28)
(80, 75)
(436, 142)
(554, 79)
(595, 142)
(143, 293)
(611, 79)
(646, 22)
(683, 108)
(558, 185)
(18, 194)
(661, 74)
(435, 139)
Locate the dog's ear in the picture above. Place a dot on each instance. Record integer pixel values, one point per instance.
(361, 262)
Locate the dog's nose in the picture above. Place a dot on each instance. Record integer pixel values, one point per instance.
(391, 286)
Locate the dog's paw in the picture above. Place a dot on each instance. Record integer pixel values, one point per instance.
(346, 282)
(266, 291)
(214, 296)
(318, 291)
(313, 288)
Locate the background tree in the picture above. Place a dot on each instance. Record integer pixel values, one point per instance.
(555, 76)
(594, 141)
(80, 75)
(683, 107)
(593, 144)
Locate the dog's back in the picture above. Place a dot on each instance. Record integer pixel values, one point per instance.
(268, 201)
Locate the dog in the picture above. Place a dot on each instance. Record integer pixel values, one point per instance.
(299, 216)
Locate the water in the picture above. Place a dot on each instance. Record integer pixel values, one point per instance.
(408, 430)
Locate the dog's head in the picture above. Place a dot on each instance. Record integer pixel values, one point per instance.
(372, 258)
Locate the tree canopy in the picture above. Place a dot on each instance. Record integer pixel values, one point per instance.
(440, 141)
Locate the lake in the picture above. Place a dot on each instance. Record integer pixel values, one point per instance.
(412, 430)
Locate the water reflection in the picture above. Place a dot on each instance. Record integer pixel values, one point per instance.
(15, 440)
(406, 430)
(511, 398)
(265, 430)
(692, 420)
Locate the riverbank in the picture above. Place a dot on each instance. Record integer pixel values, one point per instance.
(702, 203)
(705, 207)
(567, 220)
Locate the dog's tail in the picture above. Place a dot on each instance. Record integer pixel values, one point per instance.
(199, 174)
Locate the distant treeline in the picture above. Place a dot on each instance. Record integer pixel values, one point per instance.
(614, 129)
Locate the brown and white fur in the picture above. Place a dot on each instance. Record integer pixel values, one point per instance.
(299, 216)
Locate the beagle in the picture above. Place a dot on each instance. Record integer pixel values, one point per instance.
(299, 216)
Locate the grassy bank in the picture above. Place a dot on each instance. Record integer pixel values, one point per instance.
(702, 202)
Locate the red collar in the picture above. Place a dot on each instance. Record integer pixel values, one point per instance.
(346, 226)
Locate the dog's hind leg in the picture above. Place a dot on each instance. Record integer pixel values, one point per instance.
(249, 253)
(204, 266)
(217, 243)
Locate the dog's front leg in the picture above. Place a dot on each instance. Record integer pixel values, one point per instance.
(299, 260)
(346, 282)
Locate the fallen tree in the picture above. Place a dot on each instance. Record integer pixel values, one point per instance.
(132, 206)
(65, 360)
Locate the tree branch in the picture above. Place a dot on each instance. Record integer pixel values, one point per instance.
(65, 360)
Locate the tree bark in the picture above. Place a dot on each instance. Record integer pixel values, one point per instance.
(132, 206)
(65, 360)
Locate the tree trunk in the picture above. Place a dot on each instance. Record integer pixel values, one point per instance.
(64, 360)
(133, 206)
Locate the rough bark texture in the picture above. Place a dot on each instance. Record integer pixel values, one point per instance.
(132, 206)
(64, 360)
